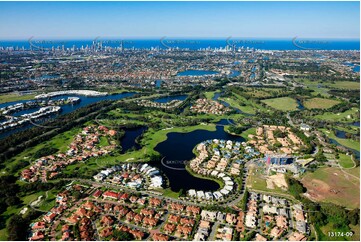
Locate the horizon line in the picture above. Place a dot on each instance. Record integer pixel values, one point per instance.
(177, 37)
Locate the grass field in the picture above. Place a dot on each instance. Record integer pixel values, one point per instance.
(245, 134)
(345, 161)
(345, 85)
(320, 103)
(209, 95)
(354, 171)
(236, 104)
(333, 185)
(247, 106)
(264, 92)
(282, 103)
(15, 97)
(337, 117)
(317, 87)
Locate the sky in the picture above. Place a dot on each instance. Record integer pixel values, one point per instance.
(86, 20)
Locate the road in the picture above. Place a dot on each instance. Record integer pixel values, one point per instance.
(149, 193)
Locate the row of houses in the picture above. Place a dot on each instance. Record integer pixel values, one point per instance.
(132, 175)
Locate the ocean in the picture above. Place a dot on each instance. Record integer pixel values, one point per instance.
(192, 44)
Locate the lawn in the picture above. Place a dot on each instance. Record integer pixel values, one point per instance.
(103, 141)
(336, 117)
(264, 92)
(15, 97)
(236, 104)
(345, 161)
(209, 95)
(317, 86)
(320, 103)
(333, 185)
(169, 193)
(345, 85)
(245, 105)
(247, 132)
(282, 103)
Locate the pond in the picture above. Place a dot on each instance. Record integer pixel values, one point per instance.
(300, 105)
(170, 98)
(128, 141)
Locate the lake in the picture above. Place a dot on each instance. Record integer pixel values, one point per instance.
(178, 148)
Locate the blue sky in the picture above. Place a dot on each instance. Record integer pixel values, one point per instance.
(21, 20)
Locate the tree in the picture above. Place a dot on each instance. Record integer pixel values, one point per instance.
(122, 236)
(16, 228)
(295, 187)
(354, 216)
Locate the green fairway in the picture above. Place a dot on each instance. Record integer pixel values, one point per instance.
(345, 85)
(236, 104)
(282, 103)
(345, 161)
(320, 103)
(349, 116)
(349, 143)
(244, 104)
(209, 95)
(248, 132)
(15, 97)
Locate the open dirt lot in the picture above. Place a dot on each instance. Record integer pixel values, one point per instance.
(278, 181)
(333, 185)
